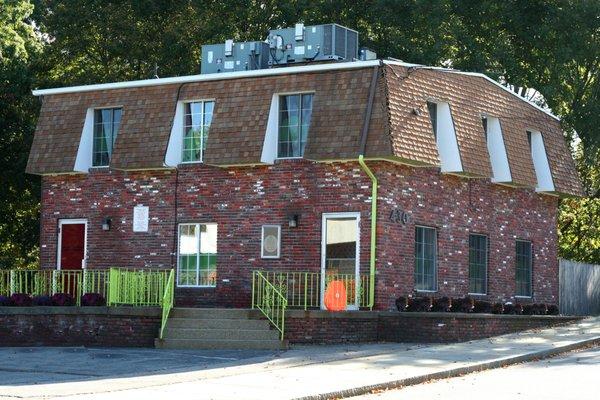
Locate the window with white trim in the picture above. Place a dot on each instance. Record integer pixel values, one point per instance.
(425, 258)
(197, 255)
(197, 120)
(295, 112)
(106, 128)
(270, 241)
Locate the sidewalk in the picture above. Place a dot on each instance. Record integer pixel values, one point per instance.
(319, 372)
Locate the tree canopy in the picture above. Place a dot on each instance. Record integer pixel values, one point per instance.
(550, 47)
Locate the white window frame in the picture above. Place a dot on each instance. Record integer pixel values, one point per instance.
(174, 154)
(262, 239)
(72, 221)
(197, 238)
(270, 149)
(182, 149)
(93, 129)
(541, 165)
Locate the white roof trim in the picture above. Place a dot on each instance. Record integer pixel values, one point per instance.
(477, 74)
(209, 77)
(269, 72)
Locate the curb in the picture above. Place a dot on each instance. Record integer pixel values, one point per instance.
(452, 373)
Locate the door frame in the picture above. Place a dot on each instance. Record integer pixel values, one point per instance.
(324, 218)
(72, 221)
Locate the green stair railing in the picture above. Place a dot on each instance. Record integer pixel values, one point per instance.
(269, 300)
(167, 302)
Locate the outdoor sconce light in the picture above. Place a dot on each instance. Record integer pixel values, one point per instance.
(106, 222)
(293, 220)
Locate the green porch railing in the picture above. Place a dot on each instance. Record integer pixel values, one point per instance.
(167, 302)
(136, 287)
(303, 289)
(269, 300)
(49, 282)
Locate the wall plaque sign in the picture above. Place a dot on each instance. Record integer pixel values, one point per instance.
(140, 218)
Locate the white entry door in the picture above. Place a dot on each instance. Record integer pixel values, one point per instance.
(340, 255)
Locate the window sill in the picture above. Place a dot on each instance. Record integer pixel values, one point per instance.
(288, 158)
(477, 294)
(523, 297)
(425, 291)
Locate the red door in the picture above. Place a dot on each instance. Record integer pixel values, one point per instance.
(72, 246)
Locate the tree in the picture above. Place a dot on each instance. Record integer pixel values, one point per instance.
(19, 193)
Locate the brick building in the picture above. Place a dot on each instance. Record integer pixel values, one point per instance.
(220, 175)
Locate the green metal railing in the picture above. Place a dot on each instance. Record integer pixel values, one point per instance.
(118, 286)
(167, 302)
(303, 289)
(269, 300)
(49, 282)
(136, 287)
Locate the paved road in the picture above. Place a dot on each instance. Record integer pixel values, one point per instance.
(574, 376)
(125, 374)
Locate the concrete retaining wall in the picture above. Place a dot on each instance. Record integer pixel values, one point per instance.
(79, 326)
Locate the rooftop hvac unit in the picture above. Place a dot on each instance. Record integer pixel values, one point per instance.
(231, 56)
(312, 43)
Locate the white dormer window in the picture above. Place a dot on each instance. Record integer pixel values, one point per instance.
(106, 128)
(189, 133)
(540, 161)
(445, 136)
(197, 119)
(295, 111)
(496, 149)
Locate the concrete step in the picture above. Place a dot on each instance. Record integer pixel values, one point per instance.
(208, 313)
(217, 323)
(220, 344)
(221, 334)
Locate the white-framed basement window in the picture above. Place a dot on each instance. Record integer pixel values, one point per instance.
(197, 255)
(270, 243)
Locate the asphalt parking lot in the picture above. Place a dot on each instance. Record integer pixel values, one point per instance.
(40, 365)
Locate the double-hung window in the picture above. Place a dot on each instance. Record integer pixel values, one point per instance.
(478, 261)
(524, 260)
(295, 112)
(425, 258)
(106, 128)
(198, 116)
(197, 266)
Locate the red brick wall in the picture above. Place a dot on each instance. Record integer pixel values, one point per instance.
(75, 326)
(242, 199)
(328, 327)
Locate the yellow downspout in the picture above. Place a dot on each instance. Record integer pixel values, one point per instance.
(373, 230)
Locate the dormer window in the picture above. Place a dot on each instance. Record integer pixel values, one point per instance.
(197, 119)
(540, 161)
(106, 128)
(294, 120)
(492, 129)
(445, 136)
(432, 107)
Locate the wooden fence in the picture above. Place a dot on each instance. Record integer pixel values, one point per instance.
(579, 288)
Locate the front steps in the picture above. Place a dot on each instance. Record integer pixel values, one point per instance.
(218, 328)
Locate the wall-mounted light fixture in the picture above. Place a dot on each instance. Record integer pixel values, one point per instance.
(292, 219)
(106, 222)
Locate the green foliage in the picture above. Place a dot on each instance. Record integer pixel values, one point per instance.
(579, 219)
(19, 194)
(550, 45)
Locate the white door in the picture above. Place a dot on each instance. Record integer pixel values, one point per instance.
(340, 255)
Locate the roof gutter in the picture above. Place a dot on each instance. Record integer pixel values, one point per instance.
(374, 184)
